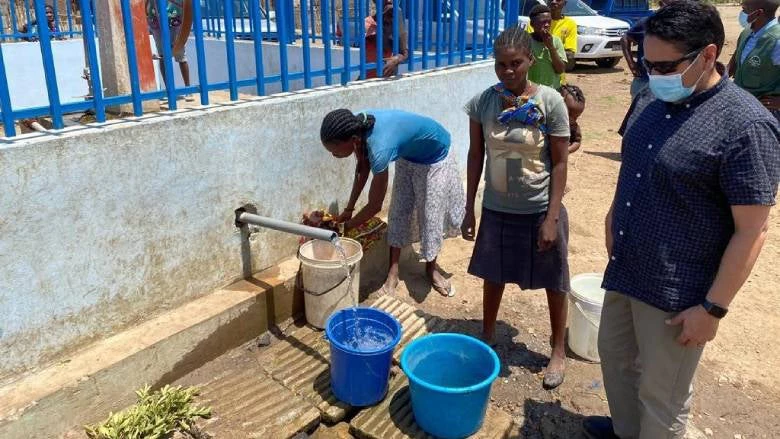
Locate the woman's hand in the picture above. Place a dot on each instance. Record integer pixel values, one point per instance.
(469, 223)
(548, 234)
(345, 216)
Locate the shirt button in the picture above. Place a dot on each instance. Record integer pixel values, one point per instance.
(621, 233)
(638, 175)
(650, 146)
(628, 204)
(687, 105)
(668, 116)
(613, 258)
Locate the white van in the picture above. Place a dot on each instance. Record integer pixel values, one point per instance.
(598, 37)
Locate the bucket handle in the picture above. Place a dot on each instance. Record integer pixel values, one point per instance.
(351, 272)
(586, 315)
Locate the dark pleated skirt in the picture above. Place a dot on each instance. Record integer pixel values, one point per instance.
(506, 252)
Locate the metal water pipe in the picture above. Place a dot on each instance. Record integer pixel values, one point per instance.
(246, 216)
(243, 218)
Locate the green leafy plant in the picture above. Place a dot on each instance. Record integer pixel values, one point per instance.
(157, 415)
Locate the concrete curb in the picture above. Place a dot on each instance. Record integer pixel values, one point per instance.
(86, 386)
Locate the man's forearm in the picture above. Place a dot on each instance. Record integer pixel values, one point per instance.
(559, 65)
(735, 266)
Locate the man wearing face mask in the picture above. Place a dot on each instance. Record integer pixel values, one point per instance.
(699, 174)
(756, 63)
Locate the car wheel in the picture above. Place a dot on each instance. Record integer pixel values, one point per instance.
(607, 63)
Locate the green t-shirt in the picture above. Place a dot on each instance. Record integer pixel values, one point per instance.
(518, 167)
(542, 71)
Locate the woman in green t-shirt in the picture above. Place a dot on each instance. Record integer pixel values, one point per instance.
(523, 130)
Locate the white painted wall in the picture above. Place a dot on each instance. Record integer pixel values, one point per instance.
(27, 82)
(102, 227)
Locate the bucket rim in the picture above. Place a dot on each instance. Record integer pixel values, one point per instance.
(451, 390)
(351, 260)
(580, 297)
(390, 347)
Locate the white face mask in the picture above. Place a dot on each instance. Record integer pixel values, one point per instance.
(670, 88)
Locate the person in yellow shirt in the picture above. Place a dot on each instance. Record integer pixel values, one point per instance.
(564, 28)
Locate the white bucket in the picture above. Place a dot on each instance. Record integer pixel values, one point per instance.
(587, 298)
(325, 280)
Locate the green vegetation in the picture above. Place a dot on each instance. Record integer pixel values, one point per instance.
(157, 415)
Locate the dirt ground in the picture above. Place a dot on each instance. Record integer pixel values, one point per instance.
(737, 384)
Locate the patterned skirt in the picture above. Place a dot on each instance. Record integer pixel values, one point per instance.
(428, 205)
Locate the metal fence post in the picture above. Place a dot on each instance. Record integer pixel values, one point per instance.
(306, 45)
(5, 100)
(94, 68)
(258, 46)
(512, 12)
(326, 41)
(48, 68)
(345, 43)
(281, 6)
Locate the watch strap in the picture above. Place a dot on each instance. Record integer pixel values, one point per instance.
(714, 310)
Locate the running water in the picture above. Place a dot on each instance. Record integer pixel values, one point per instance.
(354, 340)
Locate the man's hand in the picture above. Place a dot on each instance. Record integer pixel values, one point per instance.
(468, 226)
(548, 234)
(390, 67)
(698, 326)
(772, 103)
(547, 39)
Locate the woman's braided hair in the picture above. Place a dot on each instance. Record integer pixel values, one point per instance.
(574, 91)
(341, 124)
(515, 37)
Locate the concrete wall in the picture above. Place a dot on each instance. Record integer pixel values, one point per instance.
(26, 80)
(27, 83)
(103, 227)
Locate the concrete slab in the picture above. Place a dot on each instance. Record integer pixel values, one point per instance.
(301, 360)
(393, 418)
(415, 322)
(250, 404)
(338, 431)
(84, 387)
(301, 363)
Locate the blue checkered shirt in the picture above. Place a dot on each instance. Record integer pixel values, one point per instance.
(683, 166)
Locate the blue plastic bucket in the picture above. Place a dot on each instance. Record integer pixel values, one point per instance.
(449, 379)
(359, 375)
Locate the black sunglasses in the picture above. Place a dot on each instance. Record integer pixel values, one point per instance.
(666, 67)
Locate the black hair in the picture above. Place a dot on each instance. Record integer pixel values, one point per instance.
(770, 7)
(539, 10)
(515, 37)
(341, 124)
(689, 25)
(574, 91)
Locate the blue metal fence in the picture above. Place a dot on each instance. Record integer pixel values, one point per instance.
(16, 20)
(438, 33)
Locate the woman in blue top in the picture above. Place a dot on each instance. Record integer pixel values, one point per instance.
(428, 199)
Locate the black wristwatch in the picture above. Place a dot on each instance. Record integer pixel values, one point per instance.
(714, 310)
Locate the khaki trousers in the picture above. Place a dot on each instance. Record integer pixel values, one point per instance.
(648, 376)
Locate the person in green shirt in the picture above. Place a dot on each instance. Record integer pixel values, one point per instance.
(755, 65)
(547, 49)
